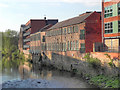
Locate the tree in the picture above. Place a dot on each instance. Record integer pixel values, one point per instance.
(10, 51)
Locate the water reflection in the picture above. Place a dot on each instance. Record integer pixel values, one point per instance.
(64, 79)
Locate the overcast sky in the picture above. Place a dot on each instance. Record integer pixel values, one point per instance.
(13, 13)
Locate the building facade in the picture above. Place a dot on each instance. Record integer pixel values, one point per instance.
(74, 36)
(32, 26)
(111, 24)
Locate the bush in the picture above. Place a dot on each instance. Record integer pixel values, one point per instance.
(94, 62)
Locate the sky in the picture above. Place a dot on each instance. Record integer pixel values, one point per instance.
(13, 13)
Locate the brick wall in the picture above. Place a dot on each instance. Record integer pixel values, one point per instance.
(104, 59)
(37, 25)
(93, 31)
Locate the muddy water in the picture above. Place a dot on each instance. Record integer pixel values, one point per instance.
(64, 79)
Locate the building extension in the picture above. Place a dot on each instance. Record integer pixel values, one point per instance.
(111, 24)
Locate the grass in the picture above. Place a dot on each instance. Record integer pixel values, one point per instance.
(106, 81)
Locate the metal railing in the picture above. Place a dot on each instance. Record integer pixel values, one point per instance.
(108, 49)
(26, 40)
(26, 28)
(26, 34)
(26, 46)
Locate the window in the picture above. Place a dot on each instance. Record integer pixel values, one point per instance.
(76, 29)
(57, 32)
(65, 47)
(77, 45)
(43, 40)
(108, 27)
(108, 12)
(82, 34)
(71, 29)
(65, 31)
(60, 31)
(68, 45)
(82, 49)
(118, 8)
(71, 44)
(118, 26)
(68, 30)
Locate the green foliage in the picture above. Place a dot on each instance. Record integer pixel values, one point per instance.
(87, 56)
(94, 62)
(111, 64)
(0, 41)
(29, 58)
(10, 52)
(106, 81)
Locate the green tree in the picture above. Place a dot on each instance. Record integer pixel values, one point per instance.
(10, 52)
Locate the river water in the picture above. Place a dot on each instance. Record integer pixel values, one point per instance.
(27, 71)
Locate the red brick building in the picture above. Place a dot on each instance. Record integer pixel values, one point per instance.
(76, 35)
(32, 26)
(111, 24)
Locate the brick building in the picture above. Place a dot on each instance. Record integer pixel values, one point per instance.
(111, 24)
(37, 43)
(32, 26)
(76, 35)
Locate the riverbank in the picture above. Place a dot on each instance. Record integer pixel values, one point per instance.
(91, 69)
(99, 81)
(105, 81)
(102, 81)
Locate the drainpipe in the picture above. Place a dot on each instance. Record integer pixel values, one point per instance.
(102, 21)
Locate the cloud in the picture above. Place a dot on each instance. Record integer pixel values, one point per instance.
(3, 5)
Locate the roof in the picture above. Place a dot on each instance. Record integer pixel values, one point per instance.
(72, 21)
(45, 28)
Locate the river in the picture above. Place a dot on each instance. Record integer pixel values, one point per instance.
(61, 78)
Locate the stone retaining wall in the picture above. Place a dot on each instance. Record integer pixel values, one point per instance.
(69, 64)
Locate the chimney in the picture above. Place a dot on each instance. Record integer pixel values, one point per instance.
(45, 18)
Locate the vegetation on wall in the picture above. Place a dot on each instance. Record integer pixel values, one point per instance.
(102, 80)
(10, 52)
(106, 81)
(111, 60)
(94, 62)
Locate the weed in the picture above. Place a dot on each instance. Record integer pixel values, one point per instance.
(94, 62)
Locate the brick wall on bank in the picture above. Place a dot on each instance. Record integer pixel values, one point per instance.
(104, 59)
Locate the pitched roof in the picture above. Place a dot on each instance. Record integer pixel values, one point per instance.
(45, 28)
(72, 21)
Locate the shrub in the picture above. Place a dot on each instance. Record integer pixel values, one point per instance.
(94, 62)
(111, 64)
